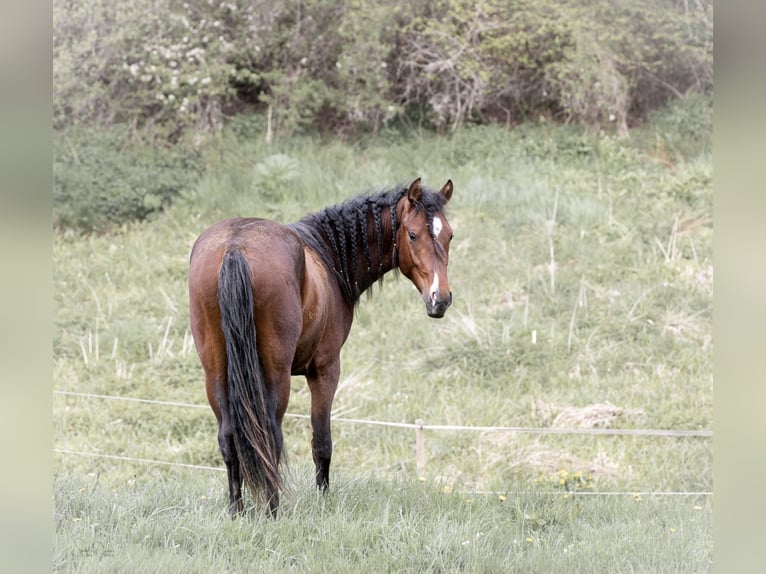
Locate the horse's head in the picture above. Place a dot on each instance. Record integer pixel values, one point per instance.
(423, 240)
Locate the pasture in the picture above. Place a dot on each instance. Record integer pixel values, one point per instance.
(582, 276)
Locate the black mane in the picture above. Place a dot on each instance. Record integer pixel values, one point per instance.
(357, 239)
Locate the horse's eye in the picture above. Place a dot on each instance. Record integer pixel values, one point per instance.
(451, 235)
(413, 237)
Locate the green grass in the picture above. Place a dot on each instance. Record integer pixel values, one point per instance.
(171, 523)
(582, 275)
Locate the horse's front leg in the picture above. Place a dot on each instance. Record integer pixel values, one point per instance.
(322, 382)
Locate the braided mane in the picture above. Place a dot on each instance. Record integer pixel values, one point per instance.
(356, 239)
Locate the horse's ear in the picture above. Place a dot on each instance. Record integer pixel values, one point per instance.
(446, 191)
(415, 191)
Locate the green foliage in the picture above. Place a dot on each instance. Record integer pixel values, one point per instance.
(594, 63)
(104, 178)
(356, 66)
(273, 175)
(680, 131)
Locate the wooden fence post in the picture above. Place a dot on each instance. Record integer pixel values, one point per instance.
(420, 449)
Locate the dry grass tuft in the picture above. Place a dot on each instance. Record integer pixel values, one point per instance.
(598, 415)
(544, 460)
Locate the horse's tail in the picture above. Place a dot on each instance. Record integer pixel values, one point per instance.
(253, 422)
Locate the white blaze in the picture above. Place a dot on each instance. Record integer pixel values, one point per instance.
(434, 288)
(437, 227)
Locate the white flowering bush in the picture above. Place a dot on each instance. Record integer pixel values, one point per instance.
(178, 68)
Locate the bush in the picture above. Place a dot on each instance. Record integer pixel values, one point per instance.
(358, 65)
(592, 63)
(148, 63)
(102, 178)
(685, 126)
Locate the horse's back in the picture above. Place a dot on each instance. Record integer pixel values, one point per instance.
(273, 251)
(251, 234)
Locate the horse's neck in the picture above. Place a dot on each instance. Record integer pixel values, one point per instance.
(358, 260)
(382, 248)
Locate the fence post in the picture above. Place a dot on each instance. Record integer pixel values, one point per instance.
(420, 449)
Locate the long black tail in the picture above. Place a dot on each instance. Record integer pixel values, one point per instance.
(254, 426)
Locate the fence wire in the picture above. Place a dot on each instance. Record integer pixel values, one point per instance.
(418, 427)
(430, 427)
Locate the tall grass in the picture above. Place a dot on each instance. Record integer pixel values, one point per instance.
(582, 274)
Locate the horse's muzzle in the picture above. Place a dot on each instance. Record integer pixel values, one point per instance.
(437, 307)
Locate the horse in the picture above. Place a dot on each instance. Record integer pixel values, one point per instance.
(269, 300)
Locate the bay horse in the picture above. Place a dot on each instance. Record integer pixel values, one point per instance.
(267, 301)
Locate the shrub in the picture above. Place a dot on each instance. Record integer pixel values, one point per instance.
(103, 178)
(684, 127)
(591, 63)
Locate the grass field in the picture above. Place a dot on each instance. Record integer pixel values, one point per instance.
(582, 275)
(151, 524)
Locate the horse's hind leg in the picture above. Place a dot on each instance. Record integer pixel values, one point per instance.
(279, 389)
(226, 444)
